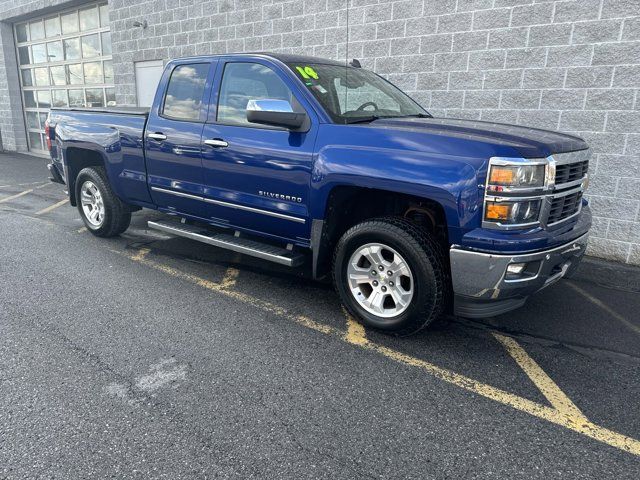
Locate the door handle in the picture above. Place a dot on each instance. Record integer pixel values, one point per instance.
(157, 136)
(216, 142)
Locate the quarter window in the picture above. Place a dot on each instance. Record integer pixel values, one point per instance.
(242, 82)
(185, 91)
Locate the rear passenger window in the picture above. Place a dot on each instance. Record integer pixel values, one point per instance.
(242, 82)
(183, 99)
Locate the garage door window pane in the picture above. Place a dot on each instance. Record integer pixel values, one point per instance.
(42, 76)
(74, 74)
(32, 120)
(106, 43)
(22, 33)
(23, 55)
(95, 97)
(58, 76)
(90, 46)
(54, 51)
(52, 26)
(108, 72)
(29, 99)
(60, 98)
(35, 141)
(76, 98)
(111, 97)
(104, 15)
(93, 72)
(44, 99)
(27, 79)
(69, 22)
(39, 52)
(89, 19)
(37, 30)
(72, 49)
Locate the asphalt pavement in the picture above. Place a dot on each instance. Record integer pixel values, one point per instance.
(147, 356)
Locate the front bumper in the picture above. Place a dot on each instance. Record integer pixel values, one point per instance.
(481, 288)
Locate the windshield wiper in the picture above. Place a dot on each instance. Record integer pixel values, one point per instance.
(417, 115)
(367, 119)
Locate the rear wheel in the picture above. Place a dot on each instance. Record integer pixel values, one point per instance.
(390, 275)
(102, 212)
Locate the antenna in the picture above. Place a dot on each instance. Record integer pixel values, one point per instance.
(346, 62)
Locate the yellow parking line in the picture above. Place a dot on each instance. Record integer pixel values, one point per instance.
(605, 307)
(17, 195)
(82, 230)
(52, 207)
(355, 335)
(539, 377)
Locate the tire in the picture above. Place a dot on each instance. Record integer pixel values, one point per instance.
(113, 216)
(427, 278)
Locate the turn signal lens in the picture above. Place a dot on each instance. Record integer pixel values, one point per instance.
(497, 211)
(512, 213)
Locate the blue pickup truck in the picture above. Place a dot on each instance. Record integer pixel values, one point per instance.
(301, 160)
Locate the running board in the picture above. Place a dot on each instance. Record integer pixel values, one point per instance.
(231, 242)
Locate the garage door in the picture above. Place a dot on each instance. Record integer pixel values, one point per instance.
(64, 60)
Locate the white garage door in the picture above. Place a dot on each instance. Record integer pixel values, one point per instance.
(64, 60)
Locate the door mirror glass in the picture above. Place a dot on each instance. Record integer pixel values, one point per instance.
(278, 113)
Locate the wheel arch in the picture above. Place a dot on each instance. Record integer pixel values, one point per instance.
(75, 160)
(348, 205)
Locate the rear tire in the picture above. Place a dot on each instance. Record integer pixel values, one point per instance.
(391, 275)
(102, 212)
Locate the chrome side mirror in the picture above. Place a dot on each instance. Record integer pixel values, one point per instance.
(278, 113)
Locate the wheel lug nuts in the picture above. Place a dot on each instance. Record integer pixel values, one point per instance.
(384, 289)
(391, 284)
(389, 273)
(381, 268)
(373, 272)
(375, 283)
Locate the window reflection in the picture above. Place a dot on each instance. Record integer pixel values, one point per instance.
(37, 30)
(54, 51)
(93, 72)
(95, 97)
(74, 74)
(183, 99)
(90, 46)
(42, 76)
(69, 22)
(89, 19)
(72, 49)
(60, 98)
(242, 82)
(39, 52)
(44, 99)
(52, 27)
(76, 98)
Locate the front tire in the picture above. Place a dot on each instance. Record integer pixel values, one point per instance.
(102, 212)
(391, 275)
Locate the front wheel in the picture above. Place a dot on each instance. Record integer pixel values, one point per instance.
(391, 275)
(102, 212)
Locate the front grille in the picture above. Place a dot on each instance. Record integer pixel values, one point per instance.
(563, 207)
(570, 172)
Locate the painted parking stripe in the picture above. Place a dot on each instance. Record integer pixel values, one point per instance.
(52, 207)
(562, 411)
(605, 307)
(17, 195)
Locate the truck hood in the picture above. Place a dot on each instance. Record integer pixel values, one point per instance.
(529, 142)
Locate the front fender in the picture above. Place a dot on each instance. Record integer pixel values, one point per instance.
(449, 181)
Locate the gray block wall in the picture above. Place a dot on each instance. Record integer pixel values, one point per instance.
(571, 65)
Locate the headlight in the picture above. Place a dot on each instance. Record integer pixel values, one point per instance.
(516, 176)
(512, 213)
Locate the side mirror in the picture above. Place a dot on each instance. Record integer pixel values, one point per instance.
(277, 113)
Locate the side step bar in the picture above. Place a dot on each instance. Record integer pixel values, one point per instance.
(230, 242)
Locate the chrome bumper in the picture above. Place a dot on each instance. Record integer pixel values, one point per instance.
(481, 288)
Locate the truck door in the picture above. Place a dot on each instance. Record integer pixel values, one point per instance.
(173, 137)
(257, 177)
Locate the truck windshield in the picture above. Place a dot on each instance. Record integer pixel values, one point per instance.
(353, 95)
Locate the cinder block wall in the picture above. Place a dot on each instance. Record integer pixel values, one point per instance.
(563, 65)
